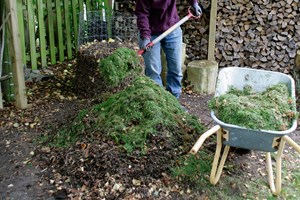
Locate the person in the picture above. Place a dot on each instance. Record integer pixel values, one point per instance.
(153, 18)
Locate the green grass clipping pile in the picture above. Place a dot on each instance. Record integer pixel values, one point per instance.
(132, 117)
(142, 110)
(134, 114)
(123, 62)
(273, 109)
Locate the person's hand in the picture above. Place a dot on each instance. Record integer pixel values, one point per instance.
(197, 9)
(143, 44)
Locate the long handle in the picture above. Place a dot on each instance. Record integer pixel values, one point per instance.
(203, 137)
(167, 32)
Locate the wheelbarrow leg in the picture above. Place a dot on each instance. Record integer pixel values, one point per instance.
(217, 167)
(276, 190)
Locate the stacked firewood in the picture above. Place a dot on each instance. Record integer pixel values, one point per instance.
(127, 6)
(258, 34)
(195, 31)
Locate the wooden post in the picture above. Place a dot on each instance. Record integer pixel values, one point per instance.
(202, 74)
(16, 52)
(212, 30)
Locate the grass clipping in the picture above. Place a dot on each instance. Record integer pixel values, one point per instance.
(133, 116)
(273, 109)
(116, 67)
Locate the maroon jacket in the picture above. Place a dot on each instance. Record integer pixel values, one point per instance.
(156, 16)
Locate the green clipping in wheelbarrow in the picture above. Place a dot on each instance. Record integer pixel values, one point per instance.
(271, 109)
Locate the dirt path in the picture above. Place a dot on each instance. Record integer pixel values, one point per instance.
(20, 177)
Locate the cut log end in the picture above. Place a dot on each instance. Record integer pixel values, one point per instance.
(202, 74)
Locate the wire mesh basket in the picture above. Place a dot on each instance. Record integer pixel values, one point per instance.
(98, 26)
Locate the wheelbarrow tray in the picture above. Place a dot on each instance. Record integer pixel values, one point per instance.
(259, 80)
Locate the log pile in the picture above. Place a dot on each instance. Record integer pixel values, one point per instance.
(127, 6)
(195, 32)
(258, 34)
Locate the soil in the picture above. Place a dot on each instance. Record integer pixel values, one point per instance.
(29, 171)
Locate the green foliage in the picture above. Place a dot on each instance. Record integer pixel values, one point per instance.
(135, 113)
(62, 138)
(272, 109)
(193, 169)
(130, 117)
(121, 63)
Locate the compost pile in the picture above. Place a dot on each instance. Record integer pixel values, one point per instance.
(89, 81)
(123, 144)
(273, 109)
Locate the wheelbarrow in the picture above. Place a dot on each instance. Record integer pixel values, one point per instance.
(230, 135)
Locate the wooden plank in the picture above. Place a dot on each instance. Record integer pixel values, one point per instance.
(2, 30)
(59, 30)
(88, 5)
(18, 72)
(80, 6)
(75, 22)
(68, 29)
(51, 45)
(108, 13)
(31, 27)
(42, 34)
(110, 4)
(212, 30)
(21, 29)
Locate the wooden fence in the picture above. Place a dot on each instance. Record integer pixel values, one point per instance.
(34, 34)
(49, 28)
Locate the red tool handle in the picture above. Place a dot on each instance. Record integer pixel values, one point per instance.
(148, 46)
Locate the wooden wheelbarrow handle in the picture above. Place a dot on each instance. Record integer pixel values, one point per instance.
(217, 166)
(203, 137)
